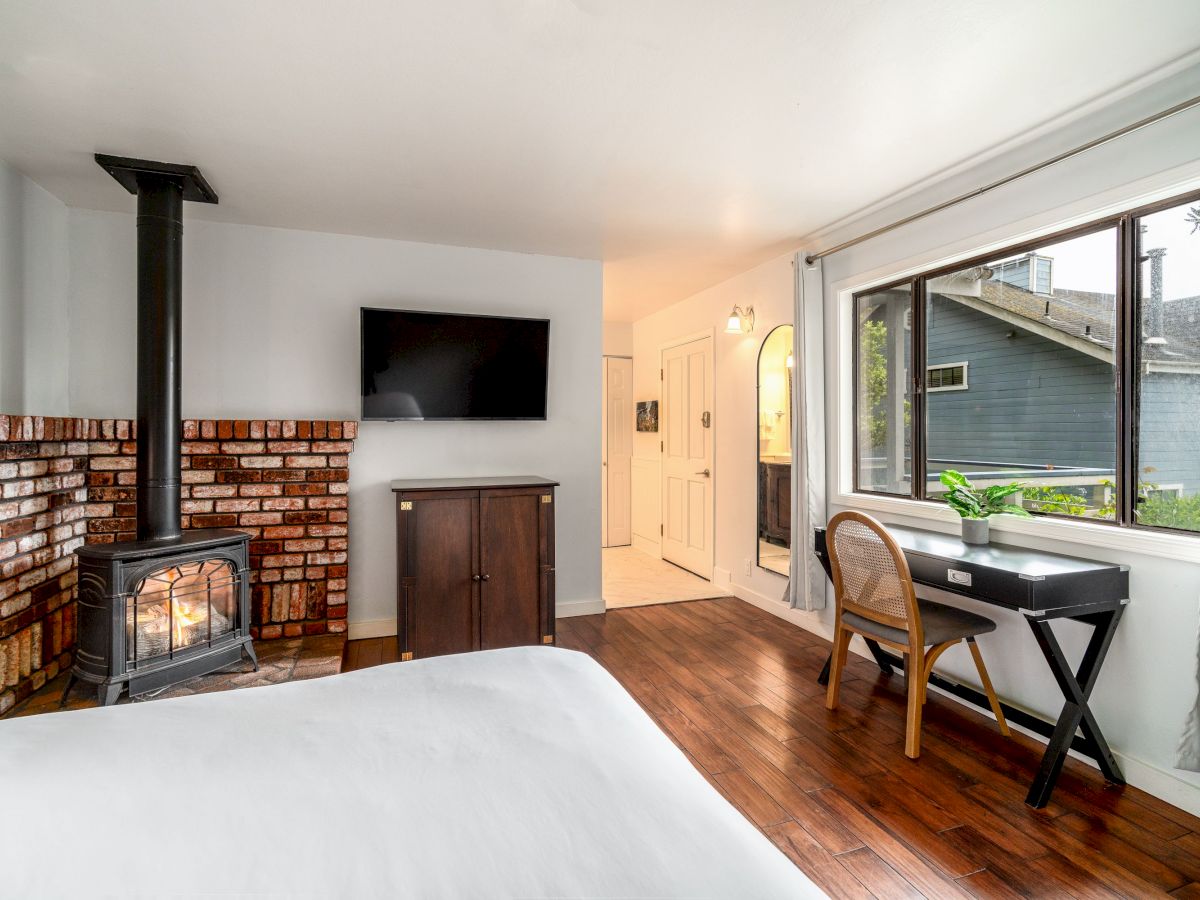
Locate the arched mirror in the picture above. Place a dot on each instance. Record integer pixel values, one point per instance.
(775, 450)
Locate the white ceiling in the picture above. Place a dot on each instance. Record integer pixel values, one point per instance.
(679, 141)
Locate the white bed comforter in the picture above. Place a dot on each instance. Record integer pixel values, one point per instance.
(512, 773)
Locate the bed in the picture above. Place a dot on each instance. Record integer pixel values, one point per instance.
(526, 772)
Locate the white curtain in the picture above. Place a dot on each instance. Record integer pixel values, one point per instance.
(1188, 755)
(806, 586)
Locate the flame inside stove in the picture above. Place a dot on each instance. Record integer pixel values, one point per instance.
(175, 606)
(183, 617)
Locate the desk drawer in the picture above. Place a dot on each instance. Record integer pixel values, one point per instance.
(1010, 589)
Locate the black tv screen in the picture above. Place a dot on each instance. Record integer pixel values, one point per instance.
(425, 365)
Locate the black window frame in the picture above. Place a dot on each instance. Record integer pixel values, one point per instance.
(1126, 359)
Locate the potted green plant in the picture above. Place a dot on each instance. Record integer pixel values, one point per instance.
(976, 506)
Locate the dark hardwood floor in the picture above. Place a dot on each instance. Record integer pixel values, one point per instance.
(736, 689)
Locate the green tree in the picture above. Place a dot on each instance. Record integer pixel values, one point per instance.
(873, 384)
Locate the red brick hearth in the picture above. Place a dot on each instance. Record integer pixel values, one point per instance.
(62, 481)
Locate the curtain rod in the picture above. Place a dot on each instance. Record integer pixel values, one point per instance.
(1111, 136)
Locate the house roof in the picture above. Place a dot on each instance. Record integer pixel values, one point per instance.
(1085, 320)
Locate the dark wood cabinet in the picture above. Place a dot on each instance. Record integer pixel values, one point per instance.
(475, 564)
(775, 503)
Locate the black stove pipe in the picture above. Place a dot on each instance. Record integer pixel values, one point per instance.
(161, 189)
(159, 347)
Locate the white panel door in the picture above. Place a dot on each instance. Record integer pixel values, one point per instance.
(617, 455)
(687, 470)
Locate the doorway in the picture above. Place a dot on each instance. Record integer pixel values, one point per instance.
(688, 472)
(616, 452)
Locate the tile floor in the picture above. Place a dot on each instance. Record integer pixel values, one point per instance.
(774, 557)
(635, 578)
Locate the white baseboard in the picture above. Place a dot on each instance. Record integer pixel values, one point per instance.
(809, 621)
(372, 628)
(564, 609)
(1164, 784)
(647, 545)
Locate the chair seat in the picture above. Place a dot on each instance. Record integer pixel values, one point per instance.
(941, 623)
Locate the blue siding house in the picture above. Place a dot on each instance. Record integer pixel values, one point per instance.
(1021, 382)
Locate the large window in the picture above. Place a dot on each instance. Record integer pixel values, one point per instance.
(1083, 352)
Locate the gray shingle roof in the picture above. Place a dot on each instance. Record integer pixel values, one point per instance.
(1090, 315)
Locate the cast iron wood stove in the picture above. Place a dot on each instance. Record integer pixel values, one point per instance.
(169, 605)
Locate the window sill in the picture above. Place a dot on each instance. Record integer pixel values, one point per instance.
(1184, 548)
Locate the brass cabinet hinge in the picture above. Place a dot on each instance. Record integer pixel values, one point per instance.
(547, 639)
(547, 498)
(405, 657)
(405, 505)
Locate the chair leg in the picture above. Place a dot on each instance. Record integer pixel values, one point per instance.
(841, 644)
(916, 693)
(987, 687)
(927, 670)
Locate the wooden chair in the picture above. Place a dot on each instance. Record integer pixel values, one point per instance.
(875, 599)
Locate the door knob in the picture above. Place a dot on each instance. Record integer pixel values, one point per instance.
(706, 473)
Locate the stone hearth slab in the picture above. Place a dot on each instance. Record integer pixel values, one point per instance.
(292, 659)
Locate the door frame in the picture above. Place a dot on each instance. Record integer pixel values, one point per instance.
(711, 333)
(604, 467)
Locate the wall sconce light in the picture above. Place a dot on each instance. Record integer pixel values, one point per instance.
(741, 321)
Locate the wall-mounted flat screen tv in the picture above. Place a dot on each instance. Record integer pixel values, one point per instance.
(438, 366)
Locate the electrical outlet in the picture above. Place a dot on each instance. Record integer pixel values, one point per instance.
(746, 567)
(955, 576)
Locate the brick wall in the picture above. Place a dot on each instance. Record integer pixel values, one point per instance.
(284, 482)
(43, 497)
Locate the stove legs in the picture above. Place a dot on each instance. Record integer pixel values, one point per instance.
(62, 701)
(249, 648)
(107, 694)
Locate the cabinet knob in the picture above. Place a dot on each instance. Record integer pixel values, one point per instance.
(476, 578)
(487, 577)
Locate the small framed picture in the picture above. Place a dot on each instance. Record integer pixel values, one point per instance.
(647, 415)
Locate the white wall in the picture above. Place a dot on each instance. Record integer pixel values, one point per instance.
(33, 298)
(618, 339)
(768, 289)
(271, 330)
(1148, 683)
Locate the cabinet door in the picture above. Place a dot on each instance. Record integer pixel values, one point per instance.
(439, 555)
(779, 503)
(510, 560)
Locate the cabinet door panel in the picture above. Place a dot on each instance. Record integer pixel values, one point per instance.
(781, 497)
(443, 555)
(510, 547)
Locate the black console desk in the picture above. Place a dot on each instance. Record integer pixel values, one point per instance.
(1044, 587)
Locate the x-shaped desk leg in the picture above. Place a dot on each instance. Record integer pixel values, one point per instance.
(1076, 688)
